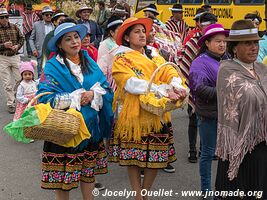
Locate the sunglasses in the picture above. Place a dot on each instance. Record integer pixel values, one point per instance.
(48, 14)
(4, 17)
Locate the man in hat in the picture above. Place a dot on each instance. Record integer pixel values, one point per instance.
(176, 22)
(103, 16)
(11, 40)
(190, 52)
(119, 11)
(255, 18)
(191, 33)
(12, 10)
(57, 18)
(152, 13)
(112, 4)
(29, 17)
(126, 6)
(84, 14)
(207, 8)
(39, 31)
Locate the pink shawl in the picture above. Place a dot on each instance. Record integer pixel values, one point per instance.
(242, 112)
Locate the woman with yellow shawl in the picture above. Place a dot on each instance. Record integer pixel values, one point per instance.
(141, 139)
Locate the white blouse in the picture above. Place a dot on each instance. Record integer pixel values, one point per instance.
(73, 100)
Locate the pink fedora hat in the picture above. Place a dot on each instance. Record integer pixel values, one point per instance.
(211, 30)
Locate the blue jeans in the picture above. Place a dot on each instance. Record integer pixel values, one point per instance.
(208, 136)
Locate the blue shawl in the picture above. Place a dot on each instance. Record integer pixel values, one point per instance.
(58, 79)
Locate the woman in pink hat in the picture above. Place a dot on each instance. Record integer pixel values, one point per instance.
(202, 82)
(27, 87)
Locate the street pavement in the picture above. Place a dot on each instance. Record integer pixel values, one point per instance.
(20, 168)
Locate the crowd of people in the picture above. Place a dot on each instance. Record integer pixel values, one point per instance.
(107, 63)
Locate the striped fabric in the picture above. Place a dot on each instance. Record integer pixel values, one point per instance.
(168, 41)
(190, 34)
(190, 52)
(28, 20)
(177, 26)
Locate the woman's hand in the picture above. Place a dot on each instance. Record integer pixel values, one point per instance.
(87, 97)
(181, 93)
(172, 95)
(177, 94)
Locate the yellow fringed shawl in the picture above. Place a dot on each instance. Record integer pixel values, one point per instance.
(134, 122)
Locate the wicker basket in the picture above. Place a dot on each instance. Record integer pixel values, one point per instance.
(170, 105)
(59, 127)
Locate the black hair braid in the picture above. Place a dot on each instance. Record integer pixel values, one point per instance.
(85, 67)
(108, 30)
(230, 48)
(62, 54)
(148, 52)
(202, 49)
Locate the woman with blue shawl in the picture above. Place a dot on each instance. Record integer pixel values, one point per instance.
(76, 82)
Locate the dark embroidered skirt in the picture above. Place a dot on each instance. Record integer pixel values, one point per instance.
(153, 151)
(63, 168)
(252, 175)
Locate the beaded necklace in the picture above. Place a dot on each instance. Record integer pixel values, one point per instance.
(75, 59)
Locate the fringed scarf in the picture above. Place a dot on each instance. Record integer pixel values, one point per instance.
(242, 112)
(134, 122)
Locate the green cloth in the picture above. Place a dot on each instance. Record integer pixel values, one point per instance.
(45, 51)
(15, 129)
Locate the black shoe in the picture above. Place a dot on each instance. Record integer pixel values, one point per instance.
(99, 186)
(192, 157)
(11, 109)
(169, 169)
(215, 157)
(199, 154)
(142, 173)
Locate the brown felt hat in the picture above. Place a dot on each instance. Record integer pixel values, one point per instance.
(243, 30)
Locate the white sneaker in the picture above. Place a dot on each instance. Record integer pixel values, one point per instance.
(169, 169)
(32, 141)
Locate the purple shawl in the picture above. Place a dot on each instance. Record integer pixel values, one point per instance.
(203, 71)
(242, 112)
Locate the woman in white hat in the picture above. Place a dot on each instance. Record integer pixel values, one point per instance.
(108, 48)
